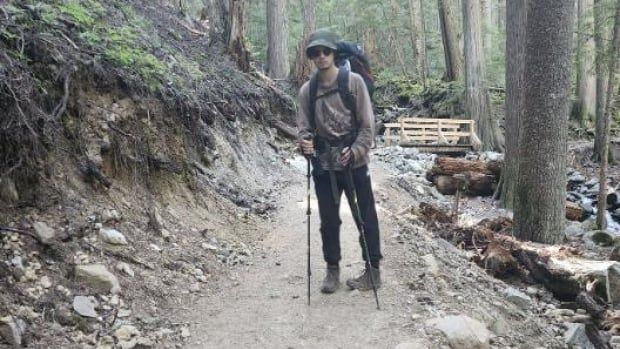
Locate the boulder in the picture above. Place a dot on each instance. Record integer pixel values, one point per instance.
(12, 330)
(517, 297)
(463, 332)
(98, 277)
(599, 237)
(576, 336)
(613, 285)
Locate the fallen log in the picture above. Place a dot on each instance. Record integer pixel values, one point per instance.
(450, 166)
(471, 183)
(574, 212)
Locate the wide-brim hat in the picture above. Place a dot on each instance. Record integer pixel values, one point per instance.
(323, 37)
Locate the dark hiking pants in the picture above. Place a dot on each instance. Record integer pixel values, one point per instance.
(330, 218)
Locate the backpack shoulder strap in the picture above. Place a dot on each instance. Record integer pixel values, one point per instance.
(313, 90)
(346, 95)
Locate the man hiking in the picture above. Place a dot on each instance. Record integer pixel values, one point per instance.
(336, 133)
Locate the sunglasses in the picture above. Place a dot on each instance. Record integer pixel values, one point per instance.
(314, 52)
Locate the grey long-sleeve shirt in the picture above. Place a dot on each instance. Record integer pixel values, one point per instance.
(334, 120)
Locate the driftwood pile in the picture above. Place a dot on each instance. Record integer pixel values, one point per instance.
(479, 178)
(578, 282)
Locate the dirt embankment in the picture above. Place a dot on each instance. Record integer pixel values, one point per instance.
(136, 161)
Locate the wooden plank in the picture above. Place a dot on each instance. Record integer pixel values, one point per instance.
(446, 121)
(435, 133)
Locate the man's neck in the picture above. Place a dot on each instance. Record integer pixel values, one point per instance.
(328, 76)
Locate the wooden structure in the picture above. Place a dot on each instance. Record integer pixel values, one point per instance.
(433, 135)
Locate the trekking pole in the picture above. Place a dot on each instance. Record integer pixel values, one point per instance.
(357, 216)
(309, 273)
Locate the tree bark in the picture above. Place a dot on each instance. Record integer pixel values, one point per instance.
(277, 40)
(516, 20)
(303, 66)
(235, 33)
(586, 90)
(452, 53)
(476, 94)
(540, 209)
(614, 63)
(418, 38)
(601, 36)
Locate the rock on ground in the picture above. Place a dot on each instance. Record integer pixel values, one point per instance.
(98, 277)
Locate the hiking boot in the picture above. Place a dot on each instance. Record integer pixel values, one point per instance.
(363, 282)
(332, 280)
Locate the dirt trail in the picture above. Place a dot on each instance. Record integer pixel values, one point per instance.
(265, 306)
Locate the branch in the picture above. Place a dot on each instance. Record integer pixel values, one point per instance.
(20, 231)
(114, 128)
(62, 106)
(21, 112)
(69, 40)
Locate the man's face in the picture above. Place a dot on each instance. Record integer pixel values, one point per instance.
(323, 57)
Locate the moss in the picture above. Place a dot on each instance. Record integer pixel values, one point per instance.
(84, 12)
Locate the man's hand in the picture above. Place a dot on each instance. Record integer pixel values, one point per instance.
(346, 156)
(306, 146)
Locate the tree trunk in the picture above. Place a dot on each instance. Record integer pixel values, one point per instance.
(303, 66)
(614, 63)
(601, 36)
(501, 14)
(277, 39)
(476, 94)
(370, 46)
(586, 90)
(418, 38)
(234, 24)
(449, 36)
(540, 205)
(516, 12)
(393, 40)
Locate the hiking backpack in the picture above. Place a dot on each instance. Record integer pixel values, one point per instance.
(349, 57)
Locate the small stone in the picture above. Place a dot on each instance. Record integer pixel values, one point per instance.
(155, 248)
(112, 236)
(144, 343)
(85, 306)
(185, 332)
(115, 300)
(98, 277)
(412, 345)
(431, 264)
(45, 282)
(125, 268)
(517, 297)
(580, 318)
(44, 232)
(110, 216)
(615, 340)
(208, 247)
(124, 313)
(126, 332)
(195, 287)
(463, 331)
(98, 226)
(559, 312)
